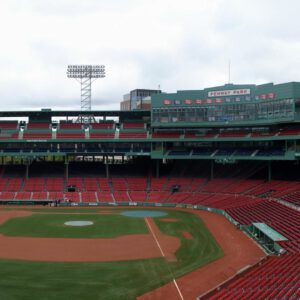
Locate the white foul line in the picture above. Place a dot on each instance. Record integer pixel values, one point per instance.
(162, 253)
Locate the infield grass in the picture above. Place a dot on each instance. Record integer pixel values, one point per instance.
(108, 280)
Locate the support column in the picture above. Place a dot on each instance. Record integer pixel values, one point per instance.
(27, 170)
(269, 170)
(107, 168)
(66, 170)
(212, 169)
(157, 168)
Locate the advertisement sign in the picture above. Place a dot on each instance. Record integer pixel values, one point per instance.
(234, 92)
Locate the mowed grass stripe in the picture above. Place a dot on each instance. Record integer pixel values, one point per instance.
(52, 225)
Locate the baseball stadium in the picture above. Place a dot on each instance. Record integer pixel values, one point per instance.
(195, 196)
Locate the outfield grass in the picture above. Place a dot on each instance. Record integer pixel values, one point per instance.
(110, 280)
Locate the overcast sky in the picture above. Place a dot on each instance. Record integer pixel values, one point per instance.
(143, 44)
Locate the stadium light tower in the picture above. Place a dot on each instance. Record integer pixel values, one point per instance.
(86, 75)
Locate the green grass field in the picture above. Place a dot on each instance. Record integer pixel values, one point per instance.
(109, 280)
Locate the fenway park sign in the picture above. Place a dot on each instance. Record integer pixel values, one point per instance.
(234, 92)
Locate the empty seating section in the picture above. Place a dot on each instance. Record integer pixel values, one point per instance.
(233, 134)
(88, 196)
(103, 125)
(121, 196)
(9, 130)
(7, 195)
(56, 196)
(292, 198)
(217, 185)
(76, 183)
(104, 184)
(242, 186)
(261, 134)
(39, 196)
(22, 196)
(70, 131)
(138, 196)
(276, 278)
(72, 197)
(14, 185)
(133, 135)
(37, 135)
(10, 125)
(166, 135)
(34, 184)
(158, 184)
(70, 126)
(105, 196)
(295, 131)
(245, 200)
(55, 184)
(102, 135)
(178, 197)
(119, 184)
(70, 135)
(133, 125)
(3, 183)
(91, 184)
(136, 183)
(38, 125)
(5, 135)
(158, 196)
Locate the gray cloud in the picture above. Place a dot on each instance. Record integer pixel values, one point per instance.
(175, 44)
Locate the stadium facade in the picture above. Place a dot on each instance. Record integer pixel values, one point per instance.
(216, 149)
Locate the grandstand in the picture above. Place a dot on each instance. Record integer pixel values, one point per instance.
(231, 149)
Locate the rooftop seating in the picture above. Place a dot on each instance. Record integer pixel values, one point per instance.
(233, 134)
(133, 135)
(103, 125)
(166, 135)
(38, 125)
(70, 135)
(102, 135)
(292, 131)
(9, 135)
(8, 125)
(70, 126)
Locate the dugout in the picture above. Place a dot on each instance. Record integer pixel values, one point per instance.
(267, 237)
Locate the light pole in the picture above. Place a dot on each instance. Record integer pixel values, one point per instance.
(86, 75)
